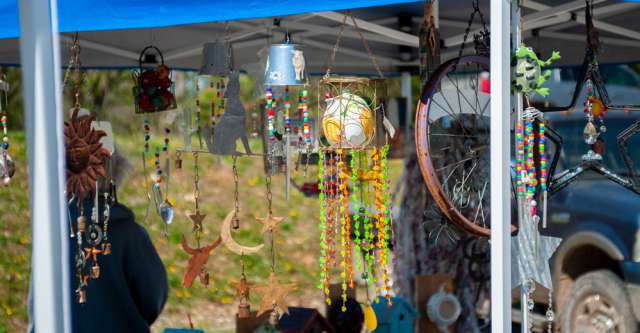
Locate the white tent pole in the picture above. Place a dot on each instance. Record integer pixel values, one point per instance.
(39, 55)
(500, 180)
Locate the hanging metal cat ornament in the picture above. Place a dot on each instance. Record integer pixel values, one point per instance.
(222, 138)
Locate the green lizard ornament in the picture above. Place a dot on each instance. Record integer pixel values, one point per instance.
(528, 75)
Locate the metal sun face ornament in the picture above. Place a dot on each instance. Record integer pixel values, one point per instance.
(348, 121)
(286, 64)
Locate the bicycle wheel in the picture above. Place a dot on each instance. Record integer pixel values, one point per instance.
(453, 141)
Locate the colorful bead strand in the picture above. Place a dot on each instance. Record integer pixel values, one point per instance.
(158, 176)
(147, 134)
(355, 198)
(270, 114)
(287, 110)
(306, 126)
(4, 119)
(543, 156)
(519, 159)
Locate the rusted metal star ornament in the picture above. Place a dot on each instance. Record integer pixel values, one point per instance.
(273, 295)
(197, 220)
(197, 262)
(243, 288)
(271, 223)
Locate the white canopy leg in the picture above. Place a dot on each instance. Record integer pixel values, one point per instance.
(44, 129)
(500, 151)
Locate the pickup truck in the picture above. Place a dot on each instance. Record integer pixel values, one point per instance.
(596, 269)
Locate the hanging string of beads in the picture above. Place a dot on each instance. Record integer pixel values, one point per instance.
(218, 106)
(287, 110)
(303, 105)
(356, 197)
(271, 113)
(4, 119)
(325, 259)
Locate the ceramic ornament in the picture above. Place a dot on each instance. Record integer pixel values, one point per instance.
(348, 121)
(529, 76)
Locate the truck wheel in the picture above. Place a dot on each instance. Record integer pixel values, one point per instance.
(598, 303)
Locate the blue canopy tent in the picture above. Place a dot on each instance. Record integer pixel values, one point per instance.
(114, 30)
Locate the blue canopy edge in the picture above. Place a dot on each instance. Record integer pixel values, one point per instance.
(93, 15)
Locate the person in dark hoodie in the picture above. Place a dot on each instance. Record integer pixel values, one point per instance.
(132, 288)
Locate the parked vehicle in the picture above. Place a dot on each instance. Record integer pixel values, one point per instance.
(596, 269)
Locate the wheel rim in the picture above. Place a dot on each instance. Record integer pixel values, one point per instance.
(595, 314)
(452, 139)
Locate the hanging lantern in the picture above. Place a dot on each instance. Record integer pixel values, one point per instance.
(285, 65)
(351, 114)
(216, 59)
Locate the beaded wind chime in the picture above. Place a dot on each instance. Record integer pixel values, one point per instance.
(532, 170)
(7, 166)
(353, 172)
(154, 92)
(353, 175)
(279, 118)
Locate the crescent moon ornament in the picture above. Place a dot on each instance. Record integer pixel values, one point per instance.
(230, 243)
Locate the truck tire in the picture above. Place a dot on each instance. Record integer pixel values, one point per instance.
(598, 302)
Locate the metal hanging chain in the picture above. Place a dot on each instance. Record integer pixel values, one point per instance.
(196, 180)
(236, 221)
(75, 50)
(269, 194)
(476, 10)
(366, 46)
(430, 24)
(336, 46)
(269, 201)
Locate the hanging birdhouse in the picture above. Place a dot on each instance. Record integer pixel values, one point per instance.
(397, 318)
(153, 90)
(285, 65)
(216, 59)
(351, 112)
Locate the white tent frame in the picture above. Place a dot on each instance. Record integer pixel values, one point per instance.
(43, 107)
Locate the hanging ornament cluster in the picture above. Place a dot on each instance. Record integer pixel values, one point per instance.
(531, 250)
(7, 166)
(86, 156)
(531, 176)
(594, 109)
(353, 175)
(355, 217)
(153, 90)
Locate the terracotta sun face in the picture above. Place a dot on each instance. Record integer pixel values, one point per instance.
(84, 154)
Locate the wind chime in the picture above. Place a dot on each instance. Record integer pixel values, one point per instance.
(286, 69)
(7, 166)
(532, 180)
(355, 200)
(154, 92)
(272, 294)
(232, 221)
(85, 163)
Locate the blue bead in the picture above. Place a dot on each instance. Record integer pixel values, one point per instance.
(5, 145)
